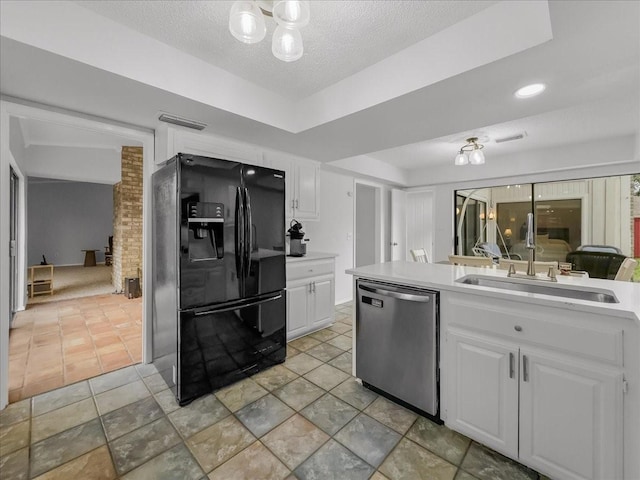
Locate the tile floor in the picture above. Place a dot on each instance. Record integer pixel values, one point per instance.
(59, 343)
(306, 419)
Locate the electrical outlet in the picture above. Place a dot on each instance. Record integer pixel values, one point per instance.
(349, 236)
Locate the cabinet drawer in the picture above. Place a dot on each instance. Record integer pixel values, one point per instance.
(581, 333)
(311, 268)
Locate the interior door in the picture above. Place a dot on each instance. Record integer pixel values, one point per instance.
(398, 225)
(13, 242)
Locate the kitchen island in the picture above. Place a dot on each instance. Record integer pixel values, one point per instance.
(550, 381)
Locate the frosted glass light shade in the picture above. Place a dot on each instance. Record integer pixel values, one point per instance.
(287, 44)
(246, 22)
(476, 157)
(461, 159)
(291, 13)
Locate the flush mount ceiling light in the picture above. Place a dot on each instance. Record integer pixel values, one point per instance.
(530, 90)
(247, 24)
(470, 153)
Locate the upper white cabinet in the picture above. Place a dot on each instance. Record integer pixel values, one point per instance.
(303, 185)
(541, 387)
(302, 176)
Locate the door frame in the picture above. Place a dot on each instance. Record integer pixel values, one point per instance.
(379, 218)
(10, 108)
(17, 222)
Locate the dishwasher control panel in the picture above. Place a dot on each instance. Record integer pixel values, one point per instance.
(374, 302)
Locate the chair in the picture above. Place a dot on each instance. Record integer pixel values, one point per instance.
(40, 280)
(420, 255)
(521, 266)
(625, 272)
(470, 261)
(108, 252)
(596, 264)
(599, 248)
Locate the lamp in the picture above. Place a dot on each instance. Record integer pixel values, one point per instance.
(470, 153)
(508, 232)
(247, 24)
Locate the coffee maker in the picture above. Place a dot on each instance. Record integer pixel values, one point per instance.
(297, 243)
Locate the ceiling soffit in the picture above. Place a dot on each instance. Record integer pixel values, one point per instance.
(496, 32)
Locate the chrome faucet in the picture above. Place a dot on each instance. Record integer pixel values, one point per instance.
(530, 245)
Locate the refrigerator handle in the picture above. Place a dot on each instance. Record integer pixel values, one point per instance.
(239, 227)
(248, 235)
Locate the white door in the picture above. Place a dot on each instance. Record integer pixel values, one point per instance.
(398, 225)
(419, 215)
(483, 390)
(322, 301)
(297, 309)
(570, 412)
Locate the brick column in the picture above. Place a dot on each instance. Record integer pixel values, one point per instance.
(127, 219)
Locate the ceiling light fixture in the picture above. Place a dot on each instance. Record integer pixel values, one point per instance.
(470, 153)
(247, 24)
(530, 90)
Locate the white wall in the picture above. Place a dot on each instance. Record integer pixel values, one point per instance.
(66, 217)
(95, 165)
(334, 231)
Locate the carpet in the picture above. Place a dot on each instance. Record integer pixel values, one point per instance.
(77, 281)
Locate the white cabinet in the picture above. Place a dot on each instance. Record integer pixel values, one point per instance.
(484, 391)
(302, 185)
(569, 415)
(557, 410)
(310, 296)
(306, 192)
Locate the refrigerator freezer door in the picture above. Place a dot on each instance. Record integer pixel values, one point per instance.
(264, 231)
(221, 345)
(216, 278)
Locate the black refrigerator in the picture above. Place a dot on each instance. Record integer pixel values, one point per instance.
(219, 308)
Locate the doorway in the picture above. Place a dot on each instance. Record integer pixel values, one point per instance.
(368, 224)
(11, 114)
(14, 186)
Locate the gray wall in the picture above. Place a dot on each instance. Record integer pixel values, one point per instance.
(63, 218)
(365, 225)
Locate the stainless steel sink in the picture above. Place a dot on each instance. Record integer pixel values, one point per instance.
(556, 290)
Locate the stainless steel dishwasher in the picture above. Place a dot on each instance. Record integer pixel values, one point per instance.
(397, 343)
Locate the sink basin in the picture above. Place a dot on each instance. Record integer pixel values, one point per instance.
(564, 291)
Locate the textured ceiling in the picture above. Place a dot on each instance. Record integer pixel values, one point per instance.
(341, 39)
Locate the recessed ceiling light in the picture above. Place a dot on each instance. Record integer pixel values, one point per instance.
(530, 90)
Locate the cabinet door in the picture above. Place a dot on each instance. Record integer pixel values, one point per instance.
(283, 163)
(307, 191)
(323, 307)
(570, 417)
(297, 309)
(483, 390)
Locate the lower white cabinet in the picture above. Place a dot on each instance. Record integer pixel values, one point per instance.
(310, 296)
(556, 413)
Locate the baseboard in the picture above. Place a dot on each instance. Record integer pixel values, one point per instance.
(344, 300)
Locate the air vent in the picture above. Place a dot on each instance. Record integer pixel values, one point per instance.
(183, 122)
(518, 136)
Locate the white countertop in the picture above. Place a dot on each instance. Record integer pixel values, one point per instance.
(311, 256)
(443, 277)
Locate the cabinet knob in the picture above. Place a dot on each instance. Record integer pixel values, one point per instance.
(518, 328)
(311, 269)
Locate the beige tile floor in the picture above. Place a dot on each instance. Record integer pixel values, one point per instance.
(305, 419)
(59, 343)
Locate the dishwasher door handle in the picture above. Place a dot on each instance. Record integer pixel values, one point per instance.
(394, 294)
